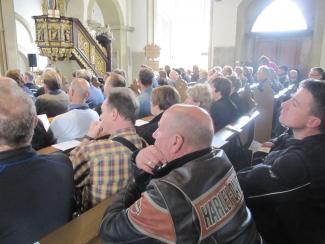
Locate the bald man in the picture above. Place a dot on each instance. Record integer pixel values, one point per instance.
(184, 190)
(74, 123)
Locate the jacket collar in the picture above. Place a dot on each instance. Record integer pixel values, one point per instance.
(82, 106)
(181, 161)
(14, 155)
(308, 139)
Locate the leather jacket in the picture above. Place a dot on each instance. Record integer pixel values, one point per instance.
(193, 199)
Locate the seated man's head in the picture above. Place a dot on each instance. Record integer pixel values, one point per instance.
(283, 70)
(28, 77)
(162, 98)
(118, 110)
(199, 95)
(203, 74)
(146, 77)
(51, 80)
(17, 116)
(293, 75)
(15, 75)
(196, 69)
(120, 72)
(239, 71)
(235, 83)
(173, 75)
(78, 92)
(83, 73)
(263, 73)
(316, 73)
(114, 80)
(263, 60)
(227, 70)
(221, 88)
(183, 129)
(304, 113)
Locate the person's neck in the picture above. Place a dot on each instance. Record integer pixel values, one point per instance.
(77, 100)
(301, 134)
(187, 150)
(121, 125)
(143, 88)
(4, 148)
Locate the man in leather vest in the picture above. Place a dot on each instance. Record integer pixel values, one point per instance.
(184, 190)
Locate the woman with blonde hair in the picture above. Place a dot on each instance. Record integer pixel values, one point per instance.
(199, 95)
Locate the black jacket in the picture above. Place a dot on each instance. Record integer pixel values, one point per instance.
(286, 192)
(194, 199)
(223, 112)
(146, 131)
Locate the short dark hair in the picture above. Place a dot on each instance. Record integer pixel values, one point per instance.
(120, 72)
(222, 85)
(319, 70)
(165, 97)
(146, 77)
(30, 76)
(124, 100)
(52, 80)
(285, 68)
(317, 90)
(116, 80)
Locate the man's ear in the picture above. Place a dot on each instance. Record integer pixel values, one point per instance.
(177, 143)
(314, 122)
(35, 121)
(87, 95)
(46, 90)
(115, 113)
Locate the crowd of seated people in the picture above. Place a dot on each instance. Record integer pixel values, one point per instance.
(161, 172)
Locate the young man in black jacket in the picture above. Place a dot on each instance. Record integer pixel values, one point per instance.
(286, 190)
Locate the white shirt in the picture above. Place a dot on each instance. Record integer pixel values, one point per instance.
(73, 124)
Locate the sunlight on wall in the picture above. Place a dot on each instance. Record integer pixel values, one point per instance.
(280, 16)
(183, 32)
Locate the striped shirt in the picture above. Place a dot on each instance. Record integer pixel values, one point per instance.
(102, 167)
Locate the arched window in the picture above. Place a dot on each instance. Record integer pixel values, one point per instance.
(280, 16)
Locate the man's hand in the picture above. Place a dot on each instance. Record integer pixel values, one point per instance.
(267, 144)
(150, 157)
(95, 129)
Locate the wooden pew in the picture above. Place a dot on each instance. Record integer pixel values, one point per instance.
(236, 138)
(83, 229)
(265, 102)
(239, 127)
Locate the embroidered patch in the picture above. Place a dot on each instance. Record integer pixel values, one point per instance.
(152, 220)
(219, 204)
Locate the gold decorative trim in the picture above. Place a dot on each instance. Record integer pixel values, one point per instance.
(82, 61)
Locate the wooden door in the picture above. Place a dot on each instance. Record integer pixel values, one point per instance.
(283, 51)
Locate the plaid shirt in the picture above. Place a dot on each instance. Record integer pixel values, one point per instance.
(102, 167)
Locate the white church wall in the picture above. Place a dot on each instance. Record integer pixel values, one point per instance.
(223, 32)
(322, 61)
(25, 31)
(138, 39)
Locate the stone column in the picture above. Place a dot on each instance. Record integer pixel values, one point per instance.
(8, 37)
